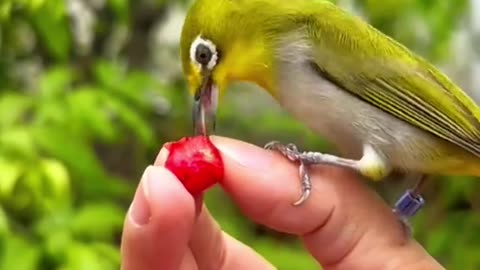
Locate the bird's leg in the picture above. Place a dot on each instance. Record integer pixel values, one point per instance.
(371, 164)
(410, 203)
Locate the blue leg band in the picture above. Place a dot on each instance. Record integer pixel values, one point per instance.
(409, 204)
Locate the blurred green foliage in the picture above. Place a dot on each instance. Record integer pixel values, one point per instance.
(84, 107)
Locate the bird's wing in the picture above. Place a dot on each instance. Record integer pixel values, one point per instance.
(361, 60)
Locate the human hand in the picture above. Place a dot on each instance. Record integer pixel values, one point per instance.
(343, 224)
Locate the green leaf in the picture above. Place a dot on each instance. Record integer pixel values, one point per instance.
(135, 87)
(74, 151)
(18, 141)
(19, 254)
(454, 191)
(4, 227)
(98, 221)
(128, 87)
(55, 222)
(29, 196)
(10, 173)
(55, 82)
(89, 109)
(58, 181)
(57, 242)
(53, 112)
(5, 10)
(109, 252)
(13, 108)
(36, 4)
(57, 174)
(82, 257)
(53, 28)
(133, 121)
(121, 9)
(108, 74)
(82, 162)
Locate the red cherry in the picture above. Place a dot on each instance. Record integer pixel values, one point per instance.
(196, 162)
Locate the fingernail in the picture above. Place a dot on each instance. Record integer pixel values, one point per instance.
(161, 157)
(140, 209)
(247, 155)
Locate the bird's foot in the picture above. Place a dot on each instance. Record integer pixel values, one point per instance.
(406, 207)
(306, 159)
(291, 152)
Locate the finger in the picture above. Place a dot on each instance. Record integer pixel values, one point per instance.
(343, 224)
(240, 257)
(207, 242)
(188, 262)
(214, 249)
(159, 223)
(211, 247)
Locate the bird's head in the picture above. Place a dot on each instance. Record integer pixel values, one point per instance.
(222, 42)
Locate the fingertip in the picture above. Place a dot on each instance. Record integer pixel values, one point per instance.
(161, 157)
(167, 196)
(161, 241)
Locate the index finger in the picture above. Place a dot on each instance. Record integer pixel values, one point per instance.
(343, 224)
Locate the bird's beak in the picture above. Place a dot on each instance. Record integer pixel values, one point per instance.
(205, 106)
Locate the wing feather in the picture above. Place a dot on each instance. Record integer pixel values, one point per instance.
(361, 60)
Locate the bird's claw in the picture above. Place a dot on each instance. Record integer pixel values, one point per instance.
(291, 152)
(306, 184)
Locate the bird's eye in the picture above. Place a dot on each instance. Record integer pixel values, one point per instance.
(203, 55)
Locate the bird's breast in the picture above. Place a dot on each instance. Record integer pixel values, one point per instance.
(320, 105)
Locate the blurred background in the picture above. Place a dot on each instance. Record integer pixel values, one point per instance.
(91, 89)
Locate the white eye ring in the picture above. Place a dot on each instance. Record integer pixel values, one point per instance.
(210, 45)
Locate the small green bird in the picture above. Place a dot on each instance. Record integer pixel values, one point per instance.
(384, 108)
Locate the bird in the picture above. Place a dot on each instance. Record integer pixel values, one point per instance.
(384, 108)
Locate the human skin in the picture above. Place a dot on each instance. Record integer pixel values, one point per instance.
(343, 224)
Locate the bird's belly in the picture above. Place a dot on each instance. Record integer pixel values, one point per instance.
(348, 122)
